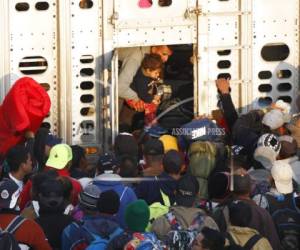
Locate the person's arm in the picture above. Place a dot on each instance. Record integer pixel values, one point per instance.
(229, 111)
(129, 68)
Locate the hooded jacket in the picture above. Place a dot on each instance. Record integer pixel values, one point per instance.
(102, 226)
(241, 235)
(113, 182)
(185, 217)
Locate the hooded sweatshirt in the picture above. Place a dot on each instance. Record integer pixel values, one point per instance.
(113, 182)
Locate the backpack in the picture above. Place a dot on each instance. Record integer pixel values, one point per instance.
(172, 114)
(144, 241)
(180, 239)
(249, 244)
(157, 209)
(7, 239)
(286, 217)
(204, 157)
(90, 241)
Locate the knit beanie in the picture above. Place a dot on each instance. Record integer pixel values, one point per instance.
(108, 202)
(137, 216)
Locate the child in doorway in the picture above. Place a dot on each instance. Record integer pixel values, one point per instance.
(145, 83)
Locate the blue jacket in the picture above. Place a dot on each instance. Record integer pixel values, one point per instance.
(102, 226)
(111, 181)
(150, 190)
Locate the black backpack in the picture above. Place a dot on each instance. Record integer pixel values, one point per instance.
(172, 114)
(249, 244)
(7, 239)
(286, 217)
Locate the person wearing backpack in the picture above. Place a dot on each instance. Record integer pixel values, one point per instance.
(18, 229)
(183, 215)
(51, 215)
(135, 237)
(98, 226)
(240, 233)
(108, 178)
(281, 202)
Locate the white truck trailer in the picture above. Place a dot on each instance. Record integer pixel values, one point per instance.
(71, 48)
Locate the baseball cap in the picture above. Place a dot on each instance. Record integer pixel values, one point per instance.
(269, 140)
(59, 156)
(52, 140)
(169, 142)
(154, 147)
(187, 190)
(9, 194)
(107, 162)
(282, 174)
(274, 119)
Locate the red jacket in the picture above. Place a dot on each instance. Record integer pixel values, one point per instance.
(24, 108)
(29, 233)
(25, 196)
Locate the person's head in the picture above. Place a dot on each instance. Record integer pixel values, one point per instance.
(187, 190)
(274, 119)
(209, 239)
(289, 147)
(43, 142)
(128, 167)
(137, 215)
(50, 196)
(19, 160)
(163, 51)
(107, 163)
(9, 194)
(108, 202)
(152, 65)
(88, 199)
(153, 151)
(241, 184)
(60, 157)
(219, 185)
(125, 144)
(79, 160)
(282, 174)
(240, 214)
(172, 163)
(38, 179)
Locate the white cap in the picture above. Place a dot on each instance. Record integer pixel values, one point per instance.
(282, 174)
(274, 119)
(266, 156)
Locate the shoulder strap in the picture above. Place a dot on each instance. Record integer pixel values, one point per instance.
(230, 239)
(115, 233)
(124, 191)
(14, 224)
(252, 241)
(172, 221)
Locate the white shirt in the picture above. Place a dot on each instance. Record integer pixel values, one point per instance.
(18, 182)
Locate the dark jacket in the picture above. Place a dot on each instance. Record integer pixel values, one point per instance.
(140, 86)
(150, 190)
(98, 225)
(111, 181)
(228, 108)
(53, 225)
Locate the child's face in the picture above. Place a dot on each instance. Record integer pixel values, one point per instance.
(154, 74)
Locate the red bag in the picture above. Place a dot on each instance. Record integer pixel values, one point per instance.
(24, 108)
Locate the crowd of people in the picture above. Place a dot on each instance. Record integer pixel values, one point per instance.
(210, 183)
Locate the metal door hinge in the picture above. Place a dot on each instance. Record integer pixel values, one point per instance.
(114, 18)
(193, 11)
